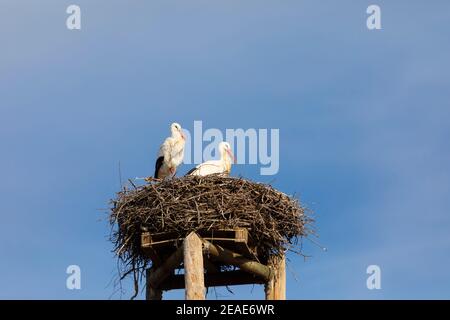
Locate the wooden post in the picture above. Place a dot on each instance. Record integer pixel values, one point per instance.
(156, 276)
(193, 268)
(276, 286)
(150, 292)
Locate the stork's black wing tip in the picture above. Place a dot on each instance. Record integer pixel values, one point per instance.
(158, 165)
(190, 171)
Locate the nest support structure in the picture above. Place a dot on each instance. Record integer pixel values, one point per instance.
(197, 232)
(209, 262)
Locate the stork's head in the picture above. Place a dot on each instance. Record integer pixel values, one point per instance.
(225, 151)
(176, 130)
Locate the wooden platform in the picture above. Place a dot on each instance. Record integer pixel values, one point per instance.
(207, 258)
(157, 246)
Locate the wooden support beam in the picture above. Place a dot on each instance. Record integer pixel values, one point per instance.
(157, 275)
(237, 259)
(210, 267)
(275, 288)
(226, 278)
(150, 292)
(193, 268)
(153, 255)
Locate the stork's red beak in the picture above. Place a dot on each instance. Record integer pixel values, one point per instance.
(182, 135)
(231, 156)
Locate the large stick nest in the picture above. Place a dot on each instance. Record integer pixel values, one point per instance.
(275, 221)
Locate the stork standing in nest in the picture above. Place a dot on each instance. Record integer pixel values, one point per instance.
(221, 166)
(171, 153)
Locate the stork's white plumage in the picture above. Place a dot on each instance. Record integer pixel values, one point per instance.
(221, 166)
(171, 153)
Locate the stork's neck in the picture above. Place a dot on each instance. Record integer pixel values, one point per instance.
(227, 164)
(176, 135)
(226, 161)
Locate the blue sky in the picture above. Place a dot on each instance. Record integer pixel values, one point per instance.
(363, 115)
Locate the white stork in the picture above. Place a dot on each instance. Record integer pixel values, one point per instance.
(171, 153)
(221, 166)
